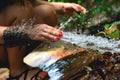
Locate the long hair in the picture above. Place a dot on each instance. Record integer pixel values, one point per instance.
(5, 3)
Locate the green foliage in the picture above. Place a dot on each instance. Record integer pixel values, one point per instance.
(111, 30)
(114, 35)
(79, 18)
(79, 21)
(93, 6)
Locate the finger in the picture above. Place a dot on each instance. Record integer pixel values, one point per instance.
(42, 38)
(52, 37)
(69, 12)
(52, 31)
(45, 39)
(79, 8)
(45, 26)
(48, 29)
(49, 36)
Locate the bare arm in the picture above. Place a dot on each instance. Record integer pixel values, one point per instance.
(68, 8)
(64, 8)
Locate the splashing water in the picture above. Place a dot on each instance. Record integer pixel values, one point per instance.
(92, 42)
(63, 25)
(89, 41)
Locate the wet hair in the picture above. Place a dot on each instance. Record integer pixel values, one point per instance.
(5, 3)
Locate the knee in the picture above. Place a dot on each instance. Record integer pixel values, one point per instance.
(46, 14)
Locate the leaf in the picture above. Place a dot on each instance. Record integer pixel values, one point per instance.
(101, 33)
(107, 26)
(114, 24)
(114, 35)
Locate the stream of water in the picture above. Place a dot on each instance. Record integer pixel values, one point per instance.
(89, 41)
(92, 42)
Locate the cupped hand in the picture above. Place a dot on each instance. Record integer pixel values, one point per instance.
(45, 33)
(69, 8)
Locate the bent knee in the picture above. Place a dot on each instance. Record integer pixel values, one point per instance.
(46, 14)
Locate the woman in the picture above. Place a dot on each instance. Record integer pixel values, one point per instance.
(24, 22)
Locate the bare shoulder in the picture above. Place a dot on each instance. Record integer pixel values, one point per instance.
(13, 14)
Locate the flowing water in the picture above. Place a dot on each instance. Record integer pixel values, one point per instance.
(89, 41)
(92, 42)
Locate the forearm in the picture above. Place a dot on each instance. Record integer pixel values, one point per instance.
(39, 2)
(62, 8)
(56, 5)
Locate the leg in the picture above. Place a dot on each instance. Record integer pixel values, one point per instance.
(46, 15)
(15, 56)
(3, 57)
(16, 66)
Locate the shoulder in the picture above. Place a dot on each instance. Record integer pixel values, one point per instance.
(17, 12)
(21, 10)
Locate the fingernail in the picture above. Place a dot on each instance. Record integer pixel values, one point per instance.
(60, 34)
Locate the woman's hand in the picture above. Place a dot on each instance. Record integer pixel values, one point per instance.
(68, 8)
(45, 33)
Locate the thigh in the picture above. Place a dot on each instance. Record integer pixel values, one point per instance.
(45, 14)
